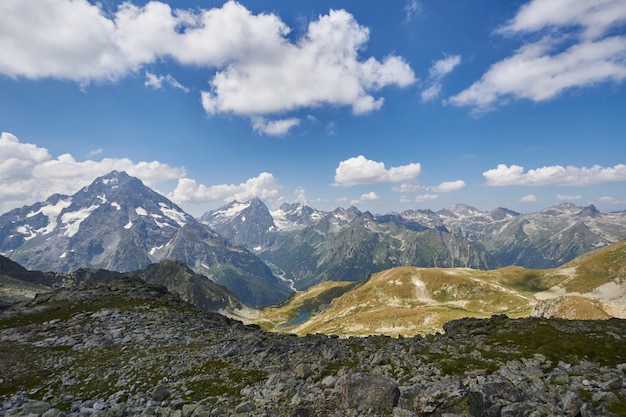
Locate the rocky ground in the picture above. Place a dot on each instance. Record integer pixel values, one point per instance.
(125, 348)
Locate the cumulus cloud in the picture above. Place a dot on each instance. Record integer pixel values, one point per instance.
(323, 67)
(437, 71)
(258, 69)
(274, 127)
(371, 196)
(29, 173)
(360, 170)
(554, 175)
(528, 198)
(264, 186)
(449, 186)
(579, 50)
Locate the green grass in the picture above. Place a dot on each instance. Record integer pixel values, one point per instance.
(216, 378)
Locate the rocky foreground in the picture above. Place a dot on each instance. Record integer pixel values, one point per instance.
(123, 347)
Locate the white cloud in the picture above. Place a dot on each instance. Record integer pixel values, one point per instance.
(413, 8)
(577, 52)
(612, 200)
(431, 92)
(407, 187)
(444, 187)
(437, 71)
(29, 173)
(360, 170)
(300, 194)
(595, 17)
(565, 197)
(425, 197)
(94, 152)
(323, 67)
(264, 186)
(260, 70)
(444, 66)
(371, 196)
(274, 127)
(449, 186)
(156, 81)
(528, 198)
(554, 175)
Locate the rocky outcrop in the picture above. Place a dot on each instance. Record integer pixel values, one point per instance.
(127, 348)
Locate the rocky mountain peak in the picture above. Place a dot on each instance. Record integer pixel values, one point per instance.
(245, 224)
(589, 211)
(118, 223)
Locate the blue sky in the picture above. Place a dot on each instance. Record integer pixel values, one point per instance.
(403, 105)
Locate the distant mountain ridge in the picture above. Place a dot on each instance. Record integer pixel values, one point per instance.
(117, 223)
(307, 246)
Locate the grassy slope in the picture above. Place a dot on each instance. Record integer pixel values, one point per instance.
(410, 300)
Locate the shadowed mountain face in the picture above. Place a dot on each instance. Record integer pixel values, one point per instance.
(119, 224)
(20, 284)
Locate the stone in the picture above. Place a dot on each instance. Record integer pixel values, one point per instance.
(245, 407)
(35, 407)
(368, 392)
(571, 403)
(160, 393)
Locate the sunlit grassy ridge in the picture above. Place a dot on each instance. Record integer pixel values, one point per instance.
(411, 300)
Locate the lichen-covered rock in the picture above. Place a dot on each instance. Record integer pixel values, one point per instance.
(368, 392)
(164, 358)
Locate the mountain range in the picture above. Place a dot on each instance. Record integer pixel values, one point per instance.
(117, 223)
(262, 256)
(307, 246)
(404, 300)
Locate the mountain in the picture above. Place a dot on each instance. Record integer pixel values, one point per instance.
(545, 239)
(20, 284)
(305, 246)
(117, 223)
(244, 224)
(409, 300)
(295, 216)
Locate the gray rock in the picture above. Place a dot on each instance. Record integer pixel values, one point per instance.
(368, 392)
(245, 407)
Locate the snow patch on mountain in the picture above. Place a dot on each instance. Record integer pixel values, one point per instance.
(116, 205)
(72, 220)
(141, 211)
(232, 210)
(51, 211)
(176, 215)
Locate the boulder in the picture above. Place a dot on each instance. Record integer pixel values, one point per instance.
(368, 392)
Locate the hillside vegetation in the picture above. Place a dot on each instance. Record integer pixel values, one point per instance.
(412, 300)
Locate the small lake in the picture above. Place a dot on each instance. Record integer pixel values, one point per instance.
(303, 316)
